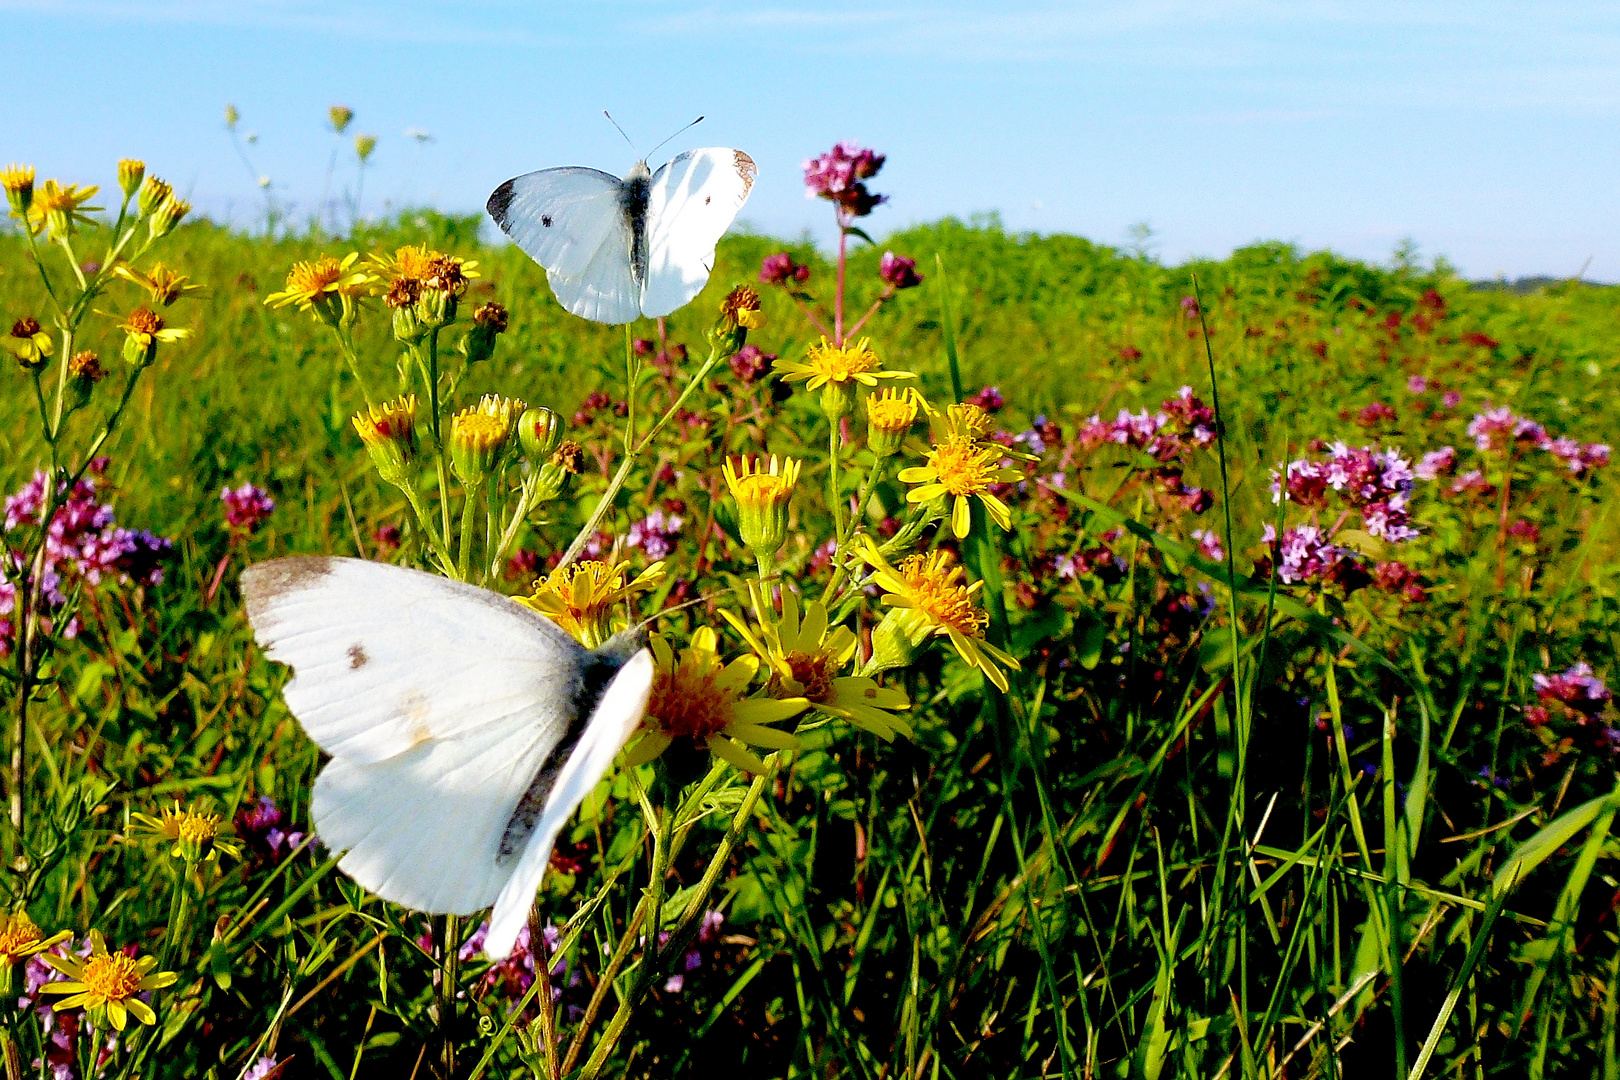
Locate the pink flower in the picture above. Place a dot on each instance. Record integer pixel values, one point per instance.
(1451, 399)
(987, 398)
(837, 175)
(1417, 384)
(1209, 545)
(655, 534)
(899, 271)
(1436, 463)
(247, 507)
(780, 268)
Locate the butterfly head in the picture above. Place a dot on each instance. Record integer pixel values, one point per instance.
(619, 648)
(638, 171)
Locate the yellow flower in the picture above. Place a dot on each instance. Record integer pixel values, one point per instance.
(929, 600)
(967, 421)
(413, 262)
(389, 432)
(106, 985)
(143, 328)
(29, 343)
(805, 657)
(479, 434)
(167, 216)
(154, 193)
(740, 308)
(326, 286)
(164, 285)
(762, 500)
(18, 180)
(130, 174)
(57, 209)
(962, 469)
(195, 834)
(835, 369)
(339, 115)
(696, 697)
(363, 146)
(20, 938)
(889, 416)
(581, 597)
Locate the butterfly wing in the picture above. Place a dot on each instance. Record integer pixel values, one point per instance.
(572, 222)
(693, 200)
(615, 717)
(439, 703)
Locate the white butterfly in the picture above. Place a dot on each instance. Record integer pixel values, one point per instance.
(464, 729)
(618, 249)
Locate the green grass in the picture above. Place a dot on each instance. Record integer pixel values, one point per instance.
(1147, 859)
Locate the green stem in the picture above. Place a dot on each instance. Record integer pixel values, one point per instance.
(424, 520)
(834, 499)
(469, 509)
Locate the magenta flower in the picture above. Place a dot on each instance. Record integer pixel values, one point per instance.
(655, 534)
(780, 268)
(1451, 399)
(247, 507)
(263, 1069)
(1576, 688)
(1417, 384)
(837, 175)
(1376, 413)
(1189, 307)
(1209, 545)
(750, 363)
(898, 271)
(1305, 555)
(1437, 463)
(987, 398)
(260, 829)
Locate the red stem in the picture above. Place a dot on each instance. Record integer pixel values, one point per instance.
(888, 291)
(838, 298)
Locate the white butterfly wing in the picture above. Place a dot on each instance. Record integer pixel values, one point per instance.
(440, 703)
(692, 203)
(616, 715)
(605, 291)
(562, 217)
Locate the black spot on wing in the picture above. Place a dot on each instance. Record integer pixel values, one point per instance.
(500, 204)
(545, 219)
(357, 656)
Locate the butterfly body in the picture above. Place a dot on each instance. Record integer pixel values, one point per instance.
(464, 729)
(615, 249)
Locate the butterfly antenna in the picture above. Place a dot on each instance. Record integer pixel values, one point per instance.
(688, 127)
(704, 599)
(633, 149)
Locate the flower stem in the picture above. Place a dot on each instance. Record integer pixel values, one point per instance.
(838, 296)
(469, 509)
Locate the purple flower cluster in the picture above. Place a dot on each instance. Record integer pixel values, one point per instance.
(988, 398)
(838, 176)
(750, 363)
(1400, 579)
(779, 269)
(1378, 483)
(655, 534)
(1042, 436)
(1182, 423)
(1209, 545)
(1436, 463)
(899, 272)
(1305, 555)
(83, 541)
(260, 829)
(514, 975)
(263, 1069)
(1577, 689)
(1500, 428)
(247, 507)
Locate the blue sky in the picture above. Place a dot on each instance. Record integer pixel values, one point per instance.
(1485, 131)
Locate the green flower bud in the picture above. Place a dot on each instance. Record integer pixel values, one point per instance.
(540, 432)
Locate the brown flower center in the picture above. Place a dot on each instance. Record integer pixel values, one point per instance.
(25, 327)
(814, 672)
(688, 704)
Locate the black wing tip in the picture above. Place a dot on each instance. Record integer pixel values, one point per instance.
(500, 202)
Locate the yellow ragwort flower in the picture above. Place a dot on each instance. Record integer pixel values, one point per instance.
(58, 209)
(413, 262)
(805, 657)
(165, 286)
(326, 286)
(389, 432)
(195, 834)
(20, 938)
(167, 216)
(479, 434)
(29, 343)
(581, 597)
(968, 421)
(130, 173)
(696, 697)
(18, 180)
(762, 496)
(962, 469)
(143, 329)
(826, 363)
(928, 599)
(889, 415)
(107, 985)
(740, 309)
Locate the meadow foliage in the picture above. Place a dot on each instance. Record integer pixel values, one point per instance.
(1069, 665)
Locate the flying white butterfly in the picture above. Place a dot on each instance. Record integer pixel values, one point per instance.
(464, 729)
(617, 249)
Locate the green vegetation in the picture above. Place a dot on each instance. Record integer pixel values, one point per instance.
(1221, 823)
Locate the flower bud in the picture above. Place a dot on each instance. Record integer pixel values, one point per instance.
(762, 500)
(363, 146)
(489, 320)
(480, 436)
(838, 400)
(889, 415)
(168, 216)
(18, 180)
(84, 372)
(29, 343)
(896, 642)
(232, 117)
(340, 115)
(389, 432)
(540, 432)
(554, 474)
(130, 174)
(899, 272)
(154, 193)
(408, 329)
